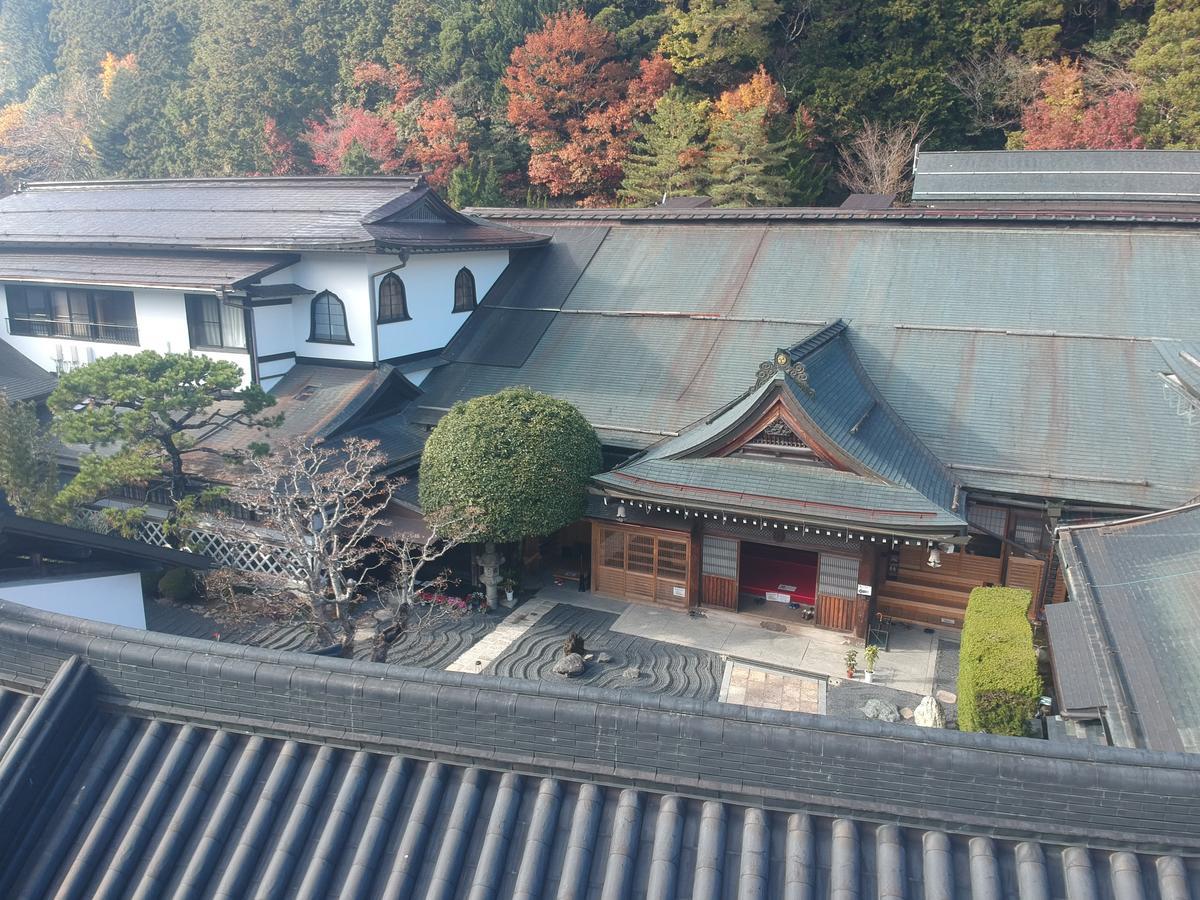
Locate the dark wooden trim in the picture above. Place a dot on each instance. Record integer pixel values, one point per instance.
(276, 357)
(335, 363)
(413, 357)
(779, 410)
(276, 301)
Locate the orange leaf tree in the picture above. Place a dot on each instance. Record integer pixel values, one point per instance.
(576, 104)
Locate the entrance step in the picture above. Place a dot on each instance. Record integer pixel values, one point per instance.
(903, 590)
(918, 612)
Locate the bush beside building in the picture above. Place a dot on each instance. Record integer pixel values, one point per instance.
(998, 681)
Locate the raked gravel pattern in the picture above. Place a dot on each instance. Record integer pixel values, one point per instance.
(635, 663)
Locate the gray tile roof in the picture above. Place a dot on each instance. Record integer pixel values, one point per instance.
(1022, 357)
(163, 765)
(1136, 587)
(324, 402)
(1111, 177)
(903, 487)
(181, 271)
(245, 214)
(786, 490)
(21, 378)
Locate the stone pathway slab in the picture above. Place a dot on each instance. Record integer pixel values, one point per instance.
(750, 685)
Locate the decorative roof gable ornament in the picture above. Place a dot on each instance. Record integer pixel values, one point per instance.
(783, 363)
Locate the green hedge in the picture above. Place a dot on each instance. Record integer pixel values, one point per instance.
(998, 682)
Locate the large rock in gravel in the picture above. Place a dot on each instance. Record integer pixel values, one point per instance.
(881, 710)
(929, 714)
(570, 665)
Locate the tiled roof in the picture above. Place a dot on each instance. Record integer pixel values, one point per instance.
(321, 402)
(21, 378)
(246, 214)
(1023, 358)
(163, 765)
(1110, 177)
(896, 481)
(789, 491)
(181, 271)
(1133, 646)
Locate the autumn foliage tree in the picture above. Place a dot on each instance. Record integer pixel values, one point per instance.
(357, 140)
(440, 144)
(576, 104)
(747, 155)
(1063, 117)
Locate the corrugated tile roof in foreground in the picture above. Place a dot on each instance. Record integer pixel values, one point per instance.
(168, 766)
(1132, 644)
(1022, 356)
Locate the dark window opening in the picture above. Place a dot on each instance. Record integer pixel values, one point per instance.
(328, 320)
(393, 304)
(213, 324)
(72, 313)
(464, 291)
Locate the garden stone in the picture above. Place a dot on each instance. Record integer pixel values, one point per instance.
(604, 658)
(929, 714)
(570, 665)
(631, 672)
(881, 710)
(946, 697)
(906, 712)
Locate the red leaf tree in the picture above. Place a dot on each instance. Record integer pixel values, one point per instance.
(576, 104)
(1065, 118)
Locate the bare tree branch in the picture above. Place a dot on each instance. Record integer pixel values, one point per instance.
(997, 86)
(878, 160)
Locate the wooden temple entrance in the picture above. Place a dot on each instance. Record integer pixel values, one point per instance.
(648, 565)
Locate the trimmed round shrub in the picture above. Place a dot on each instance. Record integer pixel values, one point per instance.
(998, 681)
(521, 459)
(178, 585)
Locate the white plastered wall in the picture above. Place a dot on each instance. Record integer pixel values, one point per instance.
(115, 599)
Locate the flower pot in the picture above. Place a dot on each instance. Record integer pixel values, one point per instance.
(869, 677)
(849, 673)
(508, 596)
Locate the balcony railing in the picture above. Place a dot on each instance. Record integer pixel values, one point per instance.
(75, 331)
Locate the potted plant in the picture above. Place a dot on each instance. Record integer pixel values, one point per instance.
(870, 654)
(509, 585)
(851, 662)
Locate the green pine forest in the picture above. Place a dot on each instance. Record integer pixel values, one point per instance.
(549, 102)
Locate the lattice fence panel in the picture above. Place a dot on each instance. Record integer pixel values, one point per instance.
(244, 555)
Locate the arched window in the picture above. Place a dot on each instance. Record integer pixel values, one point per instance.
(393, 305)
(464, 290)
(328, 320)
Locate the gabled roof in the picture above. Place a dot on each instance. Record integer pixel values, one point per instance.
(1111, 178)
(881, 475)
(175, 765)
(397, 214)
(1022, 357)
(322, 402)
(21, 378)
(1127, 643)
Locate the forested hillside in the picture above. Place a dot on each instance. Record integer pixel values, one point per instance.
(547, 101)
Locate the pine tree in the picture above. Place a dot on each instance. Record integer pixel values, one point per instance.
(745, 164)
(668, 158)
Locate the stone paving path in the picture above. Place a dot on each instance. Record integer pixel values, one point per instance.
(751, 685)
(617, 660)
